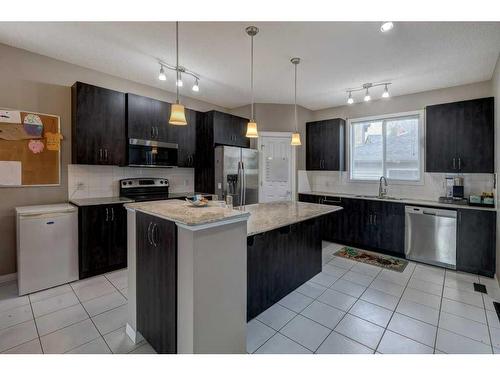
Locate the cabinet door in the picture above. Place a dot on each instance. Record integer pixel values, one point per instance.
(157, 282)
(441, 137)
(390, 226)
(332, 135)
(93, 254)
(332, 224)
(98, 125)
(239, 130)
(476, 236)
(185, 136)
(117, 236)
(164, 132)
(314, 145)
(139, 117)
(223, 130)
(475, 136)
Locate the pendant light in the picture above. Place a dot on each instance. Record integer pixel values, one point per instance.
(177, 114)
(296, 135)
(252, 125)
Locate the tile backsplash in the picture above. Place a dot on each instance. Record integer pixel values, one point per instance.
(432, 188)
(94, 181)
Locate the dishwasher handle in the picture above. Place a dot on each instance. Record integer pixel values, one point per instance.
(414, 210)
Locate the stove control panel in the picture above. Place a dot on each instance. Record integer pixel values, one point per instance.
(143, 182)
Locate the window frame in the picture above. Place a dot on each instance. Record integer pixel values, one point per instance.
(421, 140)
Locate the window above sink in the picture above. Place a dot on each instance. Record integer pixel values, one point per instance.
(388, 145)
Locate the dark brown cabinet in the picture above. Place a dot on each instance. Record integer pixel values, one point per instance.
(157, 282)
(102, 245)
(185, 137)
(325, 142)
(215, 128)
(98, 125)
(279, 261)
(373, 225)
(460, 137)
(147, 119)
(476, 241)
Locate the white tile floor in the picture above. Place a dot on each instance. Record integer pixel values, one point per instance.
(86, 316)
(352, 307)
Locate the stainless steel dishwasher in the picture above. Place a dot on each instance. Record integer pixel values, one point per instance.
(431, 236)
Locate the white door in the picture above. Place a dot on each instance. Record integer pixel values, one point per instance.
(277, 163)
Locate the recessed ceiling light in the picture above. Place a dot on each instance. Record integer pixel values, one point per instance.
(386, 26)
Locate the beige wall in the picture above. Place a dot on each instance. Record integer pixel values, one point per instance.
(37, 83)
(280, 118)
(496, 93)
(406, 103)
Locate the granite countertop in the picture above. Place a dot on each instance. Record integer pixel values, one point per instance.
(414, 201)
(268, 216)
(184, 213)
(98, 201)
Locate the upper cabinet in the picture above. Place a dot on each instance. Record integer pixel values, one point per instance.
(325, 141)
(227, 129)
(460, 137)
(185, 137)
(147, 119)
(98, 125)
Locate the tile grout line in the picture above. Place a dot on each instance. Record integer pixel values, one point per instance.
(36, 326)
(439, 313)
(90, 318)
(487, 323)
(394, 311)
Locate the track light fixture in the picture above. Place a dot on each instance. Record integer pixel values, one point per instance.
(366, 88)
(182, 70)
(196, 86)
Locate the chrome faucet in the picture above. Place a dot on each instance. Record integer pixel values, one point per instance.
(382, 190)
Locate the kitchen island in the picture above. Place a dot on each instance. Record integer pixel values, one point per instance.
(189, 282)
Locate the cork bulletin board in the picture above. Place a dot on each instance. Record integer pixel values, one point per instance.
(29, 148)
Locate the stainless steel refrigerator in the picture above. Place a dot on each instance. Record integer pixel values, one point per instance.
(237, 174)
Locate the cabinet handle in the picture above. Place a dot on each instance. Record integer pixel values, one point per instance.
(375, 219)
(107, 214)
(149, 233)
(459, 163)
(155, 234)
(332, 201)
(106, 154)
(454, 163)
(100, 154)
(112, 214)
(157, 131)
(152, 132)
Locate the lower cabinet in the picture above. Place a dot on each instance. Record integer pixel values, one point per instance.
(279, 261)
(476, 239)
(156, 250)
(374, 225)
(102, 245)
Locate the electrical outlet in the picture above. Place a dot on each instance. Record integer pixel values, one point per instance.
(80, 186)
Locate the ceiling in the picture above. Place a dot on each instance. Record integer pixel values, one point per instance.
(415, 56)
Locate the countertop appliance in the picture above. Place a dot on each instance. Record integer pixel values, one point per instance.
(145, 189)
(431, 236)
(145, 153)
(237, 174)
(47, 246)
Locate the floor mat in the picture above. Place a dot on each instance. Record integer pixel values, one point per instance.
(385, 261)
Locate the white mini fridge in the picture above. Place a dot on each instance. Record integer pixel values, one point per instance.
(47, 246)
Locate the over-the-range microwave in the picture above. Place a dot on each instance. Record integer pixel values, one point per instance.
(146, 153)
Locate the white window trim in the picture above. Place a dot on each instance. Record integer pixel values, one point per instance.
(421, 132)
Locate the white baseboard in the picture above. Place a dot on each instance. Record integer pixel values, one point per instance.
(8, 277)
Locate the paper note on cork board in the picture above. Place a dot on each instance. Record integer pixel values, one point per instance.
(10, 173)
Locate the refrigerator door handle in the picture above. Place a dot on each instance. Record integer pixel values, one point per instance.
(244, 184)
(240, 184)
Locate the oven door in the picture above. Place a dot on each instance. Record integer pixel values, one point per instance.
(144, 153)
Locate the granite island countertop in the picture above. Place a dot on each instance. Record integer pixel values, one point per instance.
(187, 215)
(268, 216)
